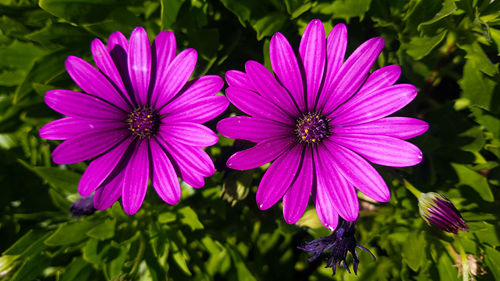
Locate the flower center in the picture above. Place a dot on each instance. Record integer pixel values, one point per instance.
(143, 122)
(312, 128)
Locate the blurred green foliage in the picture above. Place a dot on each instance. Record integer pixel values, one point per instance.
(449, 49)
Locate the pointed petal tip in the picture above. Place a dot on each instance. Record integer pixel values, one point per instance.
(291, 219)
(84, 190)
(130, 211)
(340, 26)
(139, 29)
(315, 22)
(351, 217)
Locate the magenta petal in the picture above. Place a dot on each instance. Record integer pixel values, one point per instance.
(117, 39)
(203, 87)
(174, 78)
(139, 64)
(336, 45)
(279, 177)
(163, 52)
(238, 79)
(286, 68)
(100, 168)
(109, 192)
(312, 51)
(93, 82)
(198, 111)
(382, 150)
(384, 77)
(86, 146)
(182, 166)
(77, 104)
(192, 178)
(254, 129)
(164, 178)
(334, 188)
(106, 64)
(397, 127)
(256, 105)
(135, 179)
(69, 127)
(380, 104)
(359, 172)
(381, 78)
(353, 73)
(188, 133)
(325, 210)
(296, 198)
(262, 153)
(194, 158)
(267, 85)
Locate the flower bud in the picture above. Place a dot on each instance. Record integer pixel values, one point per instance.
(439, 211)
(83, 207)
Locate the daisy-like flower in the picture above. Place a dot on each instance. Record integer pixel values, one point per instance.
(138, 117)
(319, 119)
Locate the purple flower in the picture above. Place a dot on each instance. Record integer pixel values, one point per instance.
(138, 117)
(439, 211)
(320, 118)
(337, 246)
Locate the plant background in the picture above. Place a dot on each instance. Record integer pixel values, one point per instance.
(449, 49)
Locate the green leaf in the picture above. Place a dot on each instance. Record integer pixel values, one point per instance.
(492, 259)
(31, 268)
(70, 233)
(241, 269)
(63, 181)
(269, 24)
(447, 9)
(296, 8)
(190, 218)
(485, 232)
(495, 35)
(43, 71)
(414, 250)
(29, 245)
(20, 55)
(115, 266)
(478, 59)
(169, 11)
(167, 217)
(487, 120)
(473, 179)
(241, 8)
(420, 47)
(344, 9)
(94, 252)
(103, 231)
(78, 270)
(81, 11)
(446, 268)
(59, 200)
(179, 258)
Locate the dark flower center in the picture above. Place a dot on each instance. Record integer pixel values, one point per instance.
(312, 128)
(143, 122)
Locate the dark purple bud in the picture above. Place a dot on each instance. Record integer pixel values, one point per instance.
(439, 211)
(336, 247)
(83, 207)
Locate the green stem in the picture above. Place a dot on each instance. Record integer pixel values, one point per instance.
(465, 264)
(138, 258)
(411, 188)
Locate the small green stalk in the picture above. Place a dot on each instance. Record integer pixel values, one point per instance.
(412, 189)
